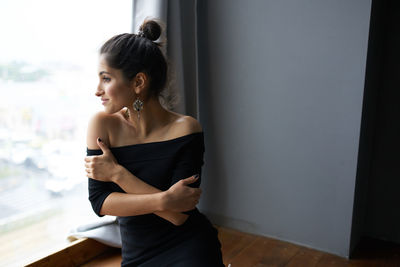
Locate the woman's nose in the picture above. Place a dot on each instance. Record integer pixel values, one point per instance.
(99, 91)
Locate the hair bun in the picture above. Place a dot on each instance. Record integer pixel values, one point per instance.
(150, 29)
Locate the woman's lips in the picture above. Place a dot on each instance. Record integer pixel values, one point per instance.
(103, 101)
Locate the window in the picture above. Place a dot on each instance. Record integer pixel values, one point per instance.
(48, 77)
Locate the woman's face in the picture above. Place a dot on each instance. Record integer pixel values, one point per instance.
(114, 91)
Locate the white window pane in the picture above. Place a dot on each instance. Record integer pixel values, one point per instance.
(48, 77)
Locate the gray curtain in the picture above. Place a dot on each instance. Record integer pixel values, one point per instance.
(179, 18)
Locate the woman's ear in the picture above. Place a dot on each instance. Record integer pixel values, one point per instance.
(140, 82)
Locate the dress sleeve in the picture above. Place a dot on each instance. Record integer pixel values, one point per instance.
(98, 190)
(189, 161)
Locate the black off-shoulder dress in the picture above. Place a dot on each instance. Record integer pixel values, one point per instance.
(149, 240)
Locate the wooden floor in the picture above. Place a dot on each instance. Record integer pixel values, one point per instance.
(241, 249)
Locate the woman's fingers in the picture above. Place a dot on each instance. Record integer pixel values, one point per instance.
(199, 191)
(103, 146)
(196, 191)
(89, 166)
(190, 180)
(182, 197)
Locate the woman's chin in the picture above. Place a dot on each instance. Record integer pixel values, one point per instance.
(110, 111)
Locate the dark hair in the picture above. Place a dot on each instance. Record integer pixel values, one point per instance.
(134, 53)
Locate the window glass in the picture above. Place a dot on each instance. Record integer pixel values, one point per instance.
(48, 77)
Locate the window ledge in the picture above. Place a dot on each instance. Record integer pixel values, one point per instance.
(75, 254)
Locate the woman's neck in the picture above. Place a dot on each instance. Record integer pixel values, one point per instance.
(152, 117)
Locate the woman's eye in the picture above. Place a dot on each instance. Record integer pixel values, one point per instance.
(106, 79)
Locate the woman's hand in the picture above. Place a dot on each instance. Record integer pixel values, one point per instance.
(180, 197)
(103, 167)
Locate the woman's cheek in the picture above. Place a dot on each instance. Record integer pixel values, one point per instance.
(110, 91)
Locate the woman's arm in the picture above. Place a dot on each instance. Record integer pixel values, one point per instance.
(165, 204)
(122, 204)
(106, 164)
(105, 168)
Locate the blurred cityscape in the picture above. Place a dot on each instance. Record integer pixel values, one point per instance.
(42, 136)
(48, 77)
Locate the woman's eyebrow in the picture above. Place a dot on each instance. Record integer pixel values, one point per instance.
(103, 72)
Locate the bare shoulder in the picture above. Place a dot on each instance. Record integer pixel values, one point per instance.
(99, 127)
(184, 125)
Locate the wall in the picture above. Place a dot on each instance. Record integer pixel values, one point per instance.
(281, 90)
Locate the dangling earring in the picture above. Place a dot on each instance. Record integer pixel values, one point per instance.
(138, 106)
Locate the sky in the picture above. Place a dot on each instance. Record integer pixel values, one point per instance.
(48, 30)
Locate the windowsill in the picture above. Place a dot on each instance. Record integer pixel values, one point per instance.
(75, 254)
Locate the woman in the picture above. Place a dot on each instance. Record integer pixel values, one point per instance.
(138, 156)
